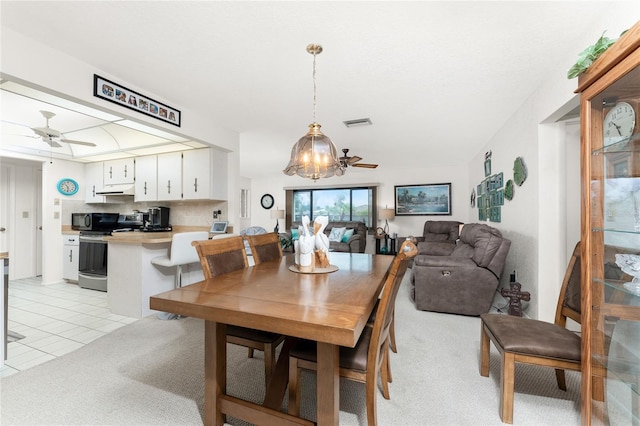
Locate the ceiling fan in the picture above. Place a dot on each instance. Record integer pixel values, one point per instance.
(353, 161)
(53, 136)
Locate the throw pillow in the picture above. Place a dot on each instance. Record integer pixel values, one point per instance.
(347, 234)
(336, 234)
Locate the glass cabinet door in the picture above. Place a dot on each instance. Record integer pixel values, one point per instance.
(613, 249)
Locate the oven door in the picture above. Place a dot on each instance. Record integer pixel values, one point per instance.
(93, 256)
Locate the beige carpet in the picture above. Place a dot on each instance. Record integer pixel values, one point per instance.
(151, 373)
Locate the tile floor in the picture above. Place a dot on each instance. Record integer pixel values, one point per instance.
(55, 319)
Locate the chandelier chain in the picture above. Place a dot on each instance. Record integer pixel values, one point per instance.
(315, 87)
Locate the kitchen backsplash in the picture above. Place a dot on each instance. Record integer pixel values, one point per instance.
(191, 213)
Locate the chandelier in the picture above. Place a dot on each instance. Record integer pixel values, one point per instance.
(314, 156)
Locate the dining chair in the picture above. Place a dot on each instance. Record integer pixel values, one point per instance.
(369, 357)
(264, 247)
(530, 341)
(223, 255)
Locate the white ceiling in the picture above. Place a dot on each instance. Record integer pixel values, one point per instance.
(437, 79)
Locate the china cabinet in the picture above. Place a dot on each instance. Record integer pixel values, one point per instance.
(610, 156)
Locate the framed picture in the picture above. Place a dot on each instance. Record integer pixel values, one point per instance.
(113, 92)
(426, 199)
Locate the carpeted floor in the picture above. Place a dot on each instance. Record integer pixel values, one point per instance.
(151, 373)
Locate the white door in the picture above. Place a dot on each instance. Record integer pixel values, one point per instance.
(39, 235)
(5, 202)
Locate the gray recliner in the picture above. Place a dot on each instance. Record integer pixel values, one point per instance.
(460, 278)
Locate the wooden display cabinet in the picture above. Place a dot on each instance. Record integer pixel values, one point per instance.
(610, 232)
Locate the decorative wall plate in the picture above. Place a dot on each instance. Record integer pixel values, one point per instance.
(508, 190)
(519, 171)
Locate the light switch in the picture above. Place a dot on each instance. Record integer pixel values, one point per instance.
(56, 215)
(25, 215)
(56, 201)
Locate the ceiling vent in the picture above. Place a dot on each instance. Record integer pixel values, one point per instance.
(358, 122)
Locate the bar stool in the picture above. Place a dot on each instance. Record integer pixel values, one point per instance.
(181, 253)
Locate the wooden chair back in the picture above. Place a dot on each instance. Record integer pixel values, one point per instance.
(221, 255)
(570, 293)
(378, 347)
(264, 247)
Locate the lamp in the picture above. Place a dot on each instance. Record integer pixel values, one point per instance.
(277, 214)
(314, 156)
(387, 214)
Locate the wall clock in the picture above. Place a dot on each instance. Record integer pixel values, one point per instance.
(266, 201)
(67, 186)
(619, 123)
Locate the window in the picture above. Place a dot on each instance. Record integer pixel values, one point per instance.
(340, 204)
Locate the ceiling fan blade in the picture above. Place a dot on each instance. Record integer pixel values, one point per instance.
(353, 159)
(77, 142)
(365, 165)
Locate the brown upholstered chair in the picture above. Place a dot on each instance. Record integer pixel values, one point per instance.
(223, 255)
(535, 342)
(265, 247)
(369, 358)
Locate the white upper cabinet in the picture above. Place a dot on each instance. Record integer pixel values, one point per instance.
(170, 176)
(146, 178)
(118, 172)
(204, 174)
(94, 181)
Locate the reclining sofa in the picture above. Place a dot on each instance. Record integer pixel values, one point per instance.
(460, 278)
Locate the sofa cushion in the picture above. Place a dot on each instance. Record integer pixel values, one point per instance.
(347, 234)
(485, 241)
(336, 234)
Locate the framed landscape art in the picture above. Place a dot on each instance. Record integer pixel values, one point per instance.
(424, 199)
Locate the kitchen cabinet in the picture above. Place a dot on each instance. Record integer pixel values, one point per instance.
(70, 251)
(204, 174)
(94, 181)
(117, 172)
(170, 176)
(610, 146)
(146, 173)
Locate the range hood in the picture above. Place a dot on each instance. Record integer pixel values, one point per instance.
(124, 189)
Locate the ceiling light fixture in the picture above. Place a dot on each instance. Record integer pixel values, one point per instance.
(358, 122)
(314, 156)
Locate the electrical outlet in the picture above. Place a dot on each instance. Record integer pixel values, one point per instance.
(513, 278)
(215, 214)
(56, 215)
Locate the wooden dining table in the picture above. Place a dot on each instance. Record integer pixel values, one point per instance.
(330, 308)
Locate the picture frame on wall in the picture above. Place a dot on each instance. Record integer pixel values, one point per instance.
(120, 95)
(423, 199)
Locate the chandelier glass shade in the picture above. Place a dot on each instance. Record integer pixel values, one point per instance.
(314, 156)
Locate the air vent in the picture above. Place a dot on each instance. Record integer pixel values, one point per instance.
(358, 122)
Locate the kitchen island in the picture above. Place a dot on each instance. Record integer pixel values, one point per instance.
(132, 278)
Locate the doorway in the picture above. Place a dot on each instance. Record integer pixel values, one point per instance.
(21, 216)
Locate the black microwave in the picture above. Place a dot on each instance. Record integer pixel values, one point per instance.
(98, 221)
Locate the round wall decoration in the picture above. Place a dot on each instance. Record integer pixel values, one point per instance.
(519, 171)
(266, 201)
(508, 190)
(67, 186)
